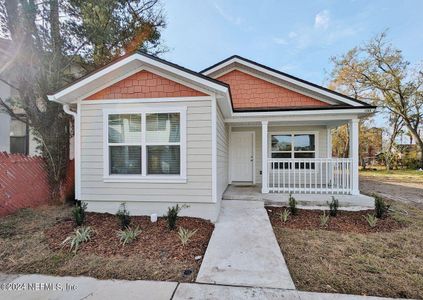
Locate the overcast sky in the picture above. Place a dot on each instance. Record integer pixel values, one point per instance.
(297, 37)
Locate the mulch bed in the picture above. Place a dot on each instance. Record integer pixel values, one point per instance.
(345, 221)
(155, 241)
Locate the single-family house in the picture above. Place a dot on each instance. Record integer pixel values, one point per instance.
(151, 133)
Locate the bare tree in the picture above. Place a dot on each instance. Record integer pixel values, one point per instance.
(377, 72)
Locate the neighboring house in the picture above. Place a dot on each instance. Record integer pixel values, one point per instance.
(15, 136)
(152, 134)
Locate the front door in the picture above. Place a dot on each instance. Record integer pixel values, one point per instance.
(242, 156)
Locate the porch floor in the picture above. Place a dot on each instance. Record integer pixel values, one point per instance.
(318, 201)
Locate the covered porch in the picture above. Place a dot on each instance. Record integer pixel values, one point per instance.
(283, 156)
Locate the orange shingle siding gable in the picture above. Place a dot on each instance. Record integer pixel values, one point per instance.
(145, 84)
(252, 92)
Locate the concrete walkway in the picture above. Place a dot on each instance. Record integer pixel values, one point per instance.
(49, 287)
(243, 250)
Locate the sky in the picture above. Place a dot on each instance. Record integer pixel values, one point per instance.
(297, 37)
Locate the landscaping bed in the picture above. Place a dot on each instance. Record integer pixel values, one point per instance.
(31, 242)
(345, 221)
(348, 256)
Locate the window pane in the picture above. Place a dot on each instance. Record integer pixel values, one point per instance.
(163, 128)
(17, 128)
(125, 128)
(281, 142)
(303, 155)
(281, 155)
(125, 159)
(163, 159)
(18, 144)
(304, 142)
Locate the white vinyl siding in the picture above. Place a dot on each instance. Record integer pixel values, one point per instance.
(321, 143)
(222, 143)
(198, 185)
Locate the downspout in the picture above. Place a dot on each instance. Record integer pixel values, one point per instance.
(76, 148)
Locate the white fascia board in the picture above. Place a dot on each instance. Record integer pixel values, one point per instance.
(333, 114)
(215, 86)
(136, 56)
(284, 78)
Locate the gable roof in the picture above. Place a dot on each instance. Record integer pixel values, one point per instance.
(238, 62)
(123, 67)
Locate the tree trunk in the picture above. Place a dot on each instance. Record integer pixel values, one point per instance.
(418, 139)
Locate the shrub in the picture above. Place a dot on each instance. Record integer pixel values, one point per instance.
(172, 215)
(80, 235)
(292, 204)
(324, 219)
(333, 207)
(78, 213)
(371, 220)
(284, 215)
(123, 216)
(128, 235)
(380, 207)
(185, 235)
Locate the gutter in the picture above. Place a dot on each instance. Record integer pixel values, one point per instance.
(76, 116)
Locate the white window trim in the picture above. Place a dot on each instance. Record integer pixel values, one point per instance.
(292, 133)
(144, 177)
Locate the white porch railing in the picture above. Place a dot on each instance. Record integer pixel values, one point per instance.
(310, 176)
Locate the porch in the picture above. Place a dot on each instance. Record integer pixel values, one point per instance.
(253, 193)
(283, 157)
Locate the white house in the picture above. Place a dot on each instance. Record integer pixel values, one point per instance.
(15, 136)
(152, 134)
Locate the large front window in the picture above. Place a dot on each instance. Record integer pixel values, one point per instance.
(288, 146)
(146, 143)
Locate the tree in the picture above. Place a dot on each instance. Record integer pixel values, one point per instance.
(53, 37)
(378, 72)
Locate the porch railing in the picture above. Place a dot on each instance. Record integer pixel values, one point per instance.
(310, 176)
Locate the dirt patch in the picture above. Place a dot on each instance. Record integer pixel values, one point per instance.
(387, 262)
(31, 242)
(345, 221)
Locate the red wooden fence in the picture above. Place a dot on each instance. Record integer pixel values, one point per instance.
(24, 182)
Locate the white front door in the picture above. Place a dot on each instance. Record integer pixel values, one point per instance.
(242, 156)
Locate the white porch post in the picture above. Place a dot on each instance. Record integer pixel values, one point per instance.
(329, 142)
(354, 147)
(264, 164)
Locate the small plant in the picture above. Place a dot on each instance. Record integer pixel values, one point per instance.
(185, 235)
(78, 213)
(80, 235)
(371, 220)
(172, 215)
(380, 207)
(324, 219)
(333, 207)
(284, 215)
(128, 235)
(292, 204)
(123, 216)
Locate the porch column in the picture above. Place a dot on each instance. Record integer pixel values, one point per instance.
(354, 147)
(329, 142)
(264, 171)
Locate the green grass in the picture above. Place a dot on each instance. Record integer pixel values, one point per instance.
(400, 175)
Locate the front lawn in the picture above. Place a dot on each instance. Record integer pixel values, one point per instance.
(347, 256)
(31, 242)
